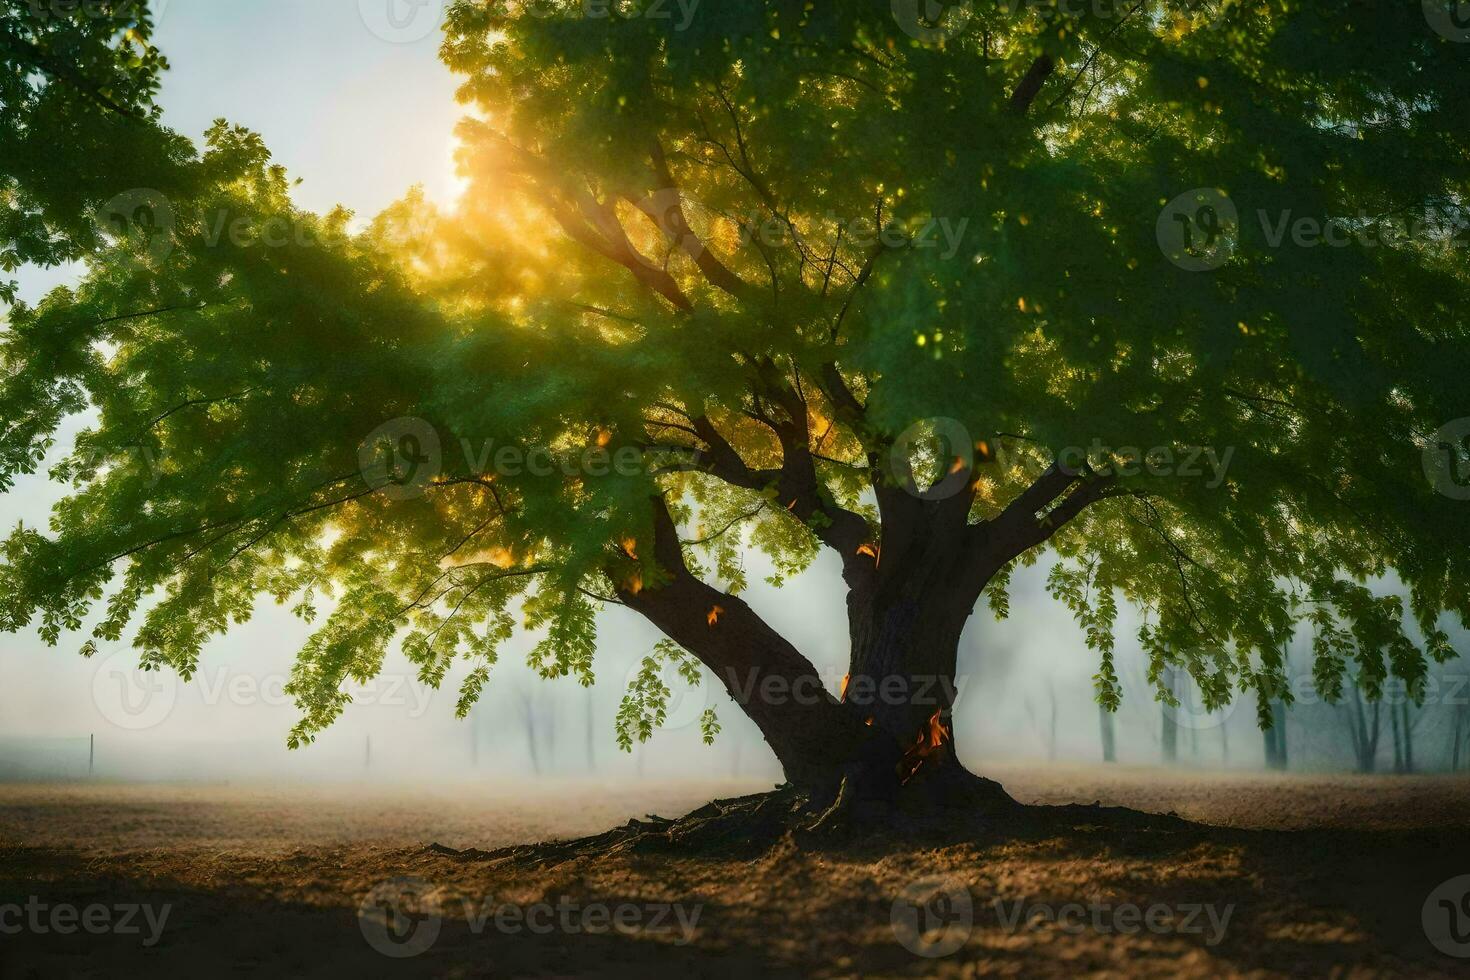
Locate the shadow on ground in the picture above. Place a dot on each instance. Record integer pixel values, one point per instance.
(1272, 902)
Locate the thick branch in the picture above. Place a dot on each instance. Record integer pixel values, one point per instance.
(1031, 82)
(809, 730)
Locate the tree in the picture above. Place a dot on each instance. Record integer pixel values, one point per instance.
(809, 279)
(76, 101)
(1169, 730)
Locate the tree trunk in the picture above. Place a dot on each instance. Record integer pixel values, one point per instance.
(1169, 731)
(1398, 738)
(812, 735)
(1109, 738)
(908, 601)
(1457, 738)
(1275, 737)
(1408, 728)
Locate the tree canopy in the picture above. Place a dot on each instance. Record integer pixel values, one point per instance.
(777, 275)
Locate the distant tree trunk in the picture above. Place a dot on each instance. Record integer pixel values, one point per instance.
(1275, 737)
(1364, 727)
(1406, 724)
(1169, 732)
(528, 715)
(1109, 740)
(591, 731)
(1457, 737)
(1398, 738)
(1051, 735)
(1050, 732)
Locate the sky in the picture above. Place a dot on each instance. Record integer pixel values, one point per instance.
(357, 108)
(351, 98)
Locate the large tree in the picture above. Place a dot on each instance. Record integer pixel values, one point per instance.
(935, 295)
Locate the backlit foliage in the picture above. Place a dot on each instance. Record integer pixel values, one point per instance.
(660, 221)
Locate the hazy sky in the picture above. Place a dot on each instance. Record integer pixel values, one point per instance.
(358, 108)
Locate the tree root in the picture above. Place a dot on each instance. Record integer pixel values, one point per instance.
(943, 799)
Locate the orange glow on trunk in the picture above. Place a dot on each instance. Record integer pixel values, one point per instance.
(930, 740)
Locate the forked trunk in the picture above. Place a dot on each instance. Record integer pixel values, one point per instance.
(888, 733)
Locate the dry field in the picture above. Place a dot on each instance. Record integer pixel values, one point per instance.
(1263, 875)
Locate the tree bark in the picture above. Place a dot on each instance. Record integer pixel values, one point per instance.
(811, 733)
(1169, 734)
(909, 597)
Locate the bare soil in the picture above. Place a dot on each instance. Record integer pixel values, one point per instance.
(1321, 876)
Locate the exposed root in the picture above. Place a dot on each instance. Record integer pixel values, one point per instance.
(755, 821)
(943, 800)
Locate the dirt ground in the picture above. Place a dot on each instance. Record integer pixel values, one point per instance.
(1262, 875)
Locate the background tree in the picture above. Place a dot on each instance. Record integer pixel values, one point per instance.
(839, 282)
